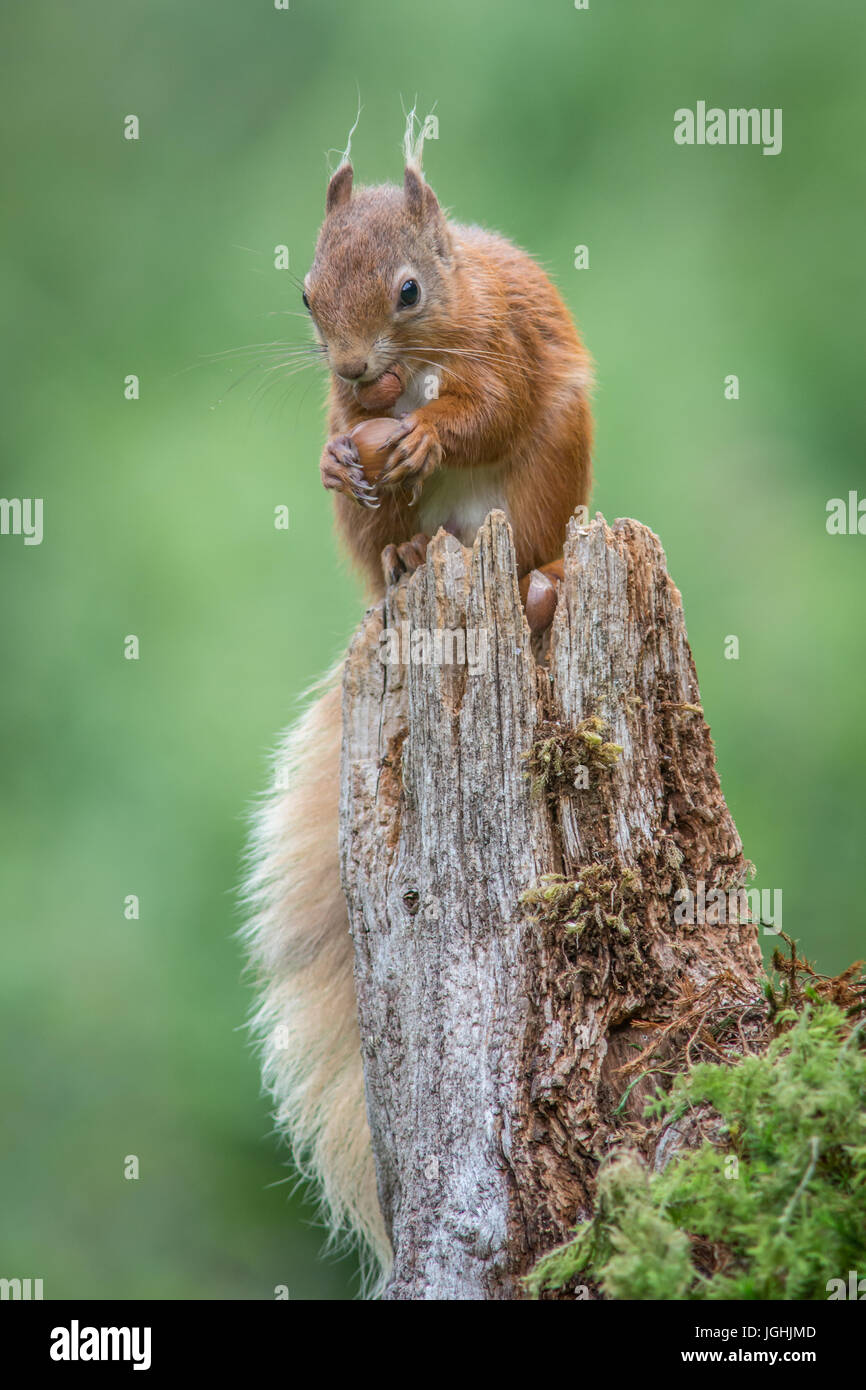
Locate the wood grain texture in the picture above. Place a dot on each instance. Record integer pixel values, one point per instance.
(491, 1026)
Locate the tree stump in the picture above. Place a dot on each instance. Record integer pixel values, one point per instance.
(513, 833)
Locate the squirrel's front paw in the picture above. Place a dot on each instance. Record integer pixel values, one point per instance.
(342, 472)
(415, 452)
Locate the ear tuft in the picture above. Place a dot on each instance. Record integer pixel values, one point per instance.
(420, 199)
(340, 188)
(413, 187)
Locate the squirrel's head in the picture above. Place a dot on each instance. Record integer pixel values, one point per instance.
(380, 289)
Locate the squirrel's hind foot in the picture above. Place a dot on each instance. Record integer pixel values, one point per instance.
(398, 560)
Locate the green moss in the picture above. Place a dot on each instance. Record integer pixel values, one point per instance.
(773, 1208)
(601, 893)
(556, 758)
(629, 1246)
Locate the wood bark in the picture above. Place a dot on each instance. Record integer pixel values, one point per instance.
(510, 879)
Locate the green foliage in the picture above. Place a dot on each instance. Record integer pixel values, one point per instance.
(773, 1209)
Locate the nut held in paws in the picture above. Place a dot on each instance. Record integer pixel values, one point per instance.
(370, 439)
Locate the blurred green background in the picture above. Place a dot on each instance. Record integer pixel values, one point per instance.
(119, 777)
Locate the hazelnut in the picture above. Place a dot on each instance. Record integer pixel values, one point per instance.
(370, 439)
(382, 393)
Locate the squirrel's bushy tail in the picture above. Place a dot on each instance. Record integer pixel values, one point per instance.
(299, 944)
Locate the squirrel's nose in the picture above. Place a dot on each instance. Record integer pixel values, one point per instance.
(350, 371)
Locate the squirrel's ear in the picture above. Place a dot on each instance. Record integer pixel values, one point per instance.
(340, 188)
(420, 198)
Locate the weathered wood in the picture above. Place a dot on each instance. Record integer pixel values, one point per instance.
(495, 1002)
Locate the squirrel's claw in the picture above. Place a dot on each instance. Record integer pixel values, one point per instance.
(415, 453)
(363, 491)
(341, 471)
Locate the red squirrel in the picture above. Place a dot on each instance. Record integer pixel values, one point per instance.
(463, 341)
(462, 338)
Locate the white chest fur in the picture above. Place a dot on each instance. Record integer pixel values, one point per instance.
(460, 498)
(456, 498)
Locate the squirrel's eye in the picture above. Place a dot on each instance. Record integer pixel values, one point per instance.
(305, 299)
(409, 292)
